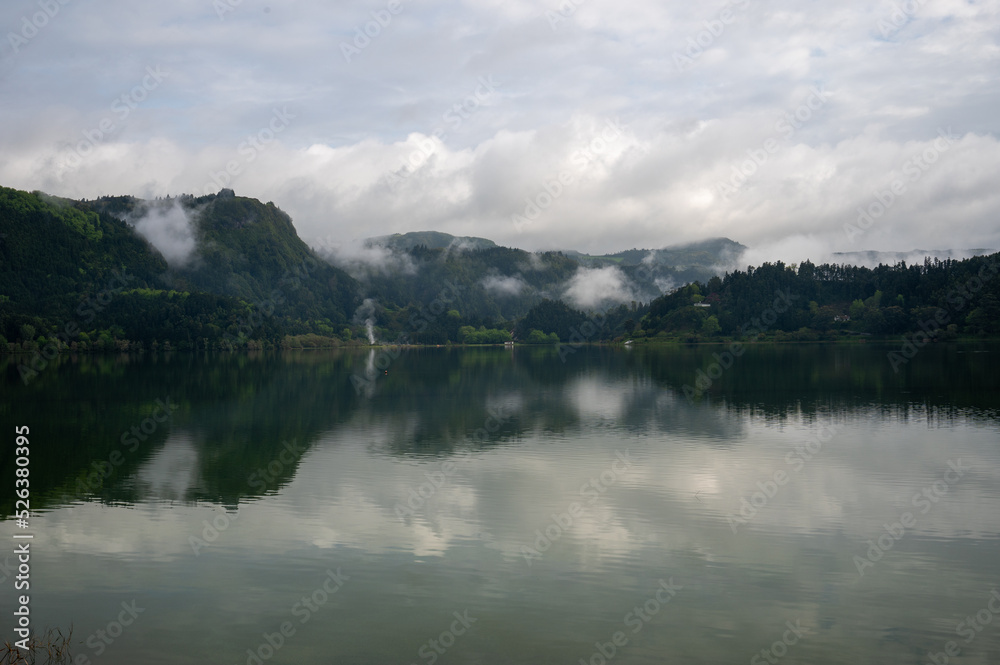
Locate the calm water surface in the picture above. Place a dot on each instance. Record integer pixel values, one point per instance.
(498, 506)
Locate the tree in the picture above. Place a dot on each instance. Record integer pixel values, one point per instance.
(537, 337)
(857, 309)
(710, 326)
(27, 332)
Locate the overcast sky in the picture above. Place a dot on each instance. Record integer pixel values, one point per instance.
(596, 126)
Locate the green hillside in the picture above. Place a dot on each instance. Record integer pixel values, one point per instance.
(233, 273)
(940, 299)
(77, 271)
(430, 240)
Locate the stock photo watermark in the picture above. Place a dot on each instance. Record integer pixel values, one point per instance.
(563, 12)
(769, 487)
(87, 311)
(304, 610)
(248, 149)
(924, 500)
(902, 13)
(957, 299)
(121, 108)
(267, 307)
(418, 496)
(912, 170)
(433, 649)
(779, 648)
(223, 7)
(579, 337)
(455, 116)
(364, 34)
(100, 640)
(130, 440)
(32, 24)
(637, 619)
(592, 490)
(786, 126)
(553, 187)
(969, 628)
(211, 531)
(419, 321)
(704, 378)
(265, 477)
(704, 40)
(260, 480)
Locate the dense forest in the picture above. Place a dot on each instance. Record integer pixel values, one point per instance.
(77, 275)
(491, 283)
(81, 275)
(942, 298)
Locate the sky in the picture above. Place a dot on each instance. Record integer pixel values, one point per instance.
(795, 127)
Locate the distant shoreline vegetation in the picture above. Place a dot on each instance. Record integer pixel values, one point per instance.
(314, 342)
(85, 277)
(939, 300)
(30, 363)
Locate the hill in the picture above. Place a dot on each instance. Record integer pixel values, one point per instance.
(211, 271)
(498, 285)
(704, 254)
(243, 248)
(940, 299)
(430, 240)
(225, 271)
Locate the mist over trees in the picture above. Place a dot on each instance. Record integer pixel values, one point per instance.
(228, 272)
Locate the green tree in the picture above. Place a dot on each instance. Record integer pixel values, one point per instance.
(857, 309)
(710, 326)
(537, 337)
(875, 301)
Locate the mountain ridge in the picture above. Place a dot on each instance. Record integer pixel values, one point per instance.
(225, 271)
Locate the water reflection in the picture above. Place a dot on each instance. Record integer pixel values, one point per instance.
(494, 482)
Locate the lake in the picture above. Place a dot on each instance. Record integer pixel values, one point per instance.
(792, 504)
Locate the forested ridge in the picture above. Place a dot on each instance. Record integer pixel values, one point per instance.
(962, 296)
(76, 275)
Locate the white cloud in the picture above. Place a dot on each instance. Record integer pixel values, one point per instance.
(504, 285)
(355, 124)
(169, 229)
(360, 259)
(592, 288)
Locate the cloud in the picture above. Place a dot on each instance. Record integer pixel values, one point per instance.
(593, 288)
(361, 260)
(461, 245)
(376, 146)
(170, 229)
(504, 285)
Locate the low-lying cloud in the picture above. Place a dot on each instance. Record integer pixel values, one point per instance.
(503, 285)
(170, 229)
(798, 248)
(595, 288)
(361, 260)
